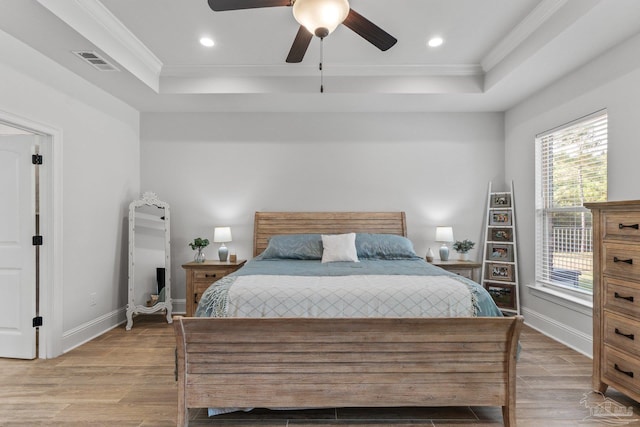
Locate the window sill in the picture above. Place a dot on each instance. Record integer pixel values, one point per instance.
(571, 302)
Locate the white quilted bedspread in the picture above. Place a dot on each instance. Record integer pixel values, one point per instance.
(349, 296)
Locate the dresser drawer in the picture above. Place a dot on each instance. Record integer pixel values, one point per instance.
(624, 225)
(203, 279)
(621, 260)
(622, 369)
(209, 276)
(622, 333)
(464, 272)
(198, 290)
(622, 296)
(468, 269)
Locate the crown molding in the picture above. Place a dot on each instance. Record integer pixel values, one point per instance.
(186, 70)
(441, 85)
(119, 31)
(98, 25)
(529, 25)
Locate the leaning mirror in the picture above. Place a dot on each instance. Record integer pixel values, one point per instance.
(149, 258)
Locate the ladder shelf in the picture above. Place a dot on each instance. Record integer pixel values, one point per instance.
(500, 256)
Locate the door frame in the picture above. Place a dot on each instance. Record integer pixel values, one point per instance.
(51, 252)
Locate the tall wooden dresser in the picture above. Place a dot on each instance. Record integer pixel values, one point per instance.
(616, 296)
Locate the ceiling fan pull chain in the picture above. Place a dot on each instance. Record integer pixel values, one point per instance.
(321, 60)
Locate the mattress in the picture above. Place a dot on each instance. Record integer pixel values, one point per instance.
(368, 288)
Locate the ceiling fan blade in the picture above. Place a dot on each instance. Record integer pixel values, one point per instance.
(369, 31)
(222, 5)
(300, 45)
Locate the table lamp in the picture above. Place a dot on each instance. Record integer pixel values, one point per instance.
(444, 235)
(222, 235)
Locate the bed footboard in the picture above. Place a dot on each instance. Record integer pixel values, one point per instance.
(306, 363)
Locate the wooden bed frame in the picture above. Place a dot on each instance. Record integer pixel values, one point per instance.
(313, 363)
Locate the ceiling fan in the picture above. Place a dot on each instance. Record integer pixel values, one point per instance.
(319, 17)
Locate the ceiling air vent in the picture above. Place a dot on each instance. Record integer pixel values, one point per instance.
(96, 60)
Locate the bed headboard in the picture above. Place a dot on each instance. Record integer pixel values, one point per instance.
(269, 224)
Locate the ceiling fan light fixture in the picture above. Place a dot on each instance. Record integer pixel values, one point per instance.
(320, 17)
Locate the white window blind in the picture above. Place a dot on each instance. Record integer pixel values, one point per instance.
(571, 169)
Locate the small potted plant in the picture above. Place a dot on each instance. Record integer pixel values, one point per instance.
(463, 248)
(199, 244)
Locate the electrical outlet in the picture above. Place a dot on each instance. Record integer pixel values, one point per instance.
(92, 299)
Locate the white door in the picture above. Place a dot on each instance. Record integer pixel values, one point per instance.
(17, 253)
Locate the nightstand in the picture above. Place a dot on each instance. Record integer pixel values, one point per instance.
(468, 269)
(200, 275)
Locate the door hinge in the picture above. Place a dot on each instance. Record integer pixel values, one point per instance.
(37, 321)
(36, 159)
(37, 240)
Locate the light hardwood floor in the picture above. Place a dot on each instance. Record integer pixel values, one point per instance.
(127, 379)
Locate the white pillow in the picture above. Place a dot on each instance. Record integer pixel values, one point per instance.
(339, 247)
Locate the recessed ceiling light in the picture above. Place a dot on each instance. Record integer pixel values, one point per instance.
(206, 41)
(435, 41)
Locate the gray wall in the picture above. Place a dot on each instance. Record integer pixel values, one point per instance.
(218, 169)
(98, 172)
(612, 82)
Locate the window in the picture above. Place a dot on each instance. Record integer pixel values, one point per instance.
(571, 169)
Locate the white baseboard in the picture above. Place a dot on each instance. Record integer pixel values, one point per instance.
(90, 330)
(179, 306)
(572, 338)
(564, 334)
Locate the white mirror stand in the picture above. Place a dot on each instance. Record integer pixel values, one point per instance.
(149, 258)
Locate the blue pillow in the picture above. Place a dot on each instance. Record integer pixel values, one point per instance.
(384, 246)
(293, 246)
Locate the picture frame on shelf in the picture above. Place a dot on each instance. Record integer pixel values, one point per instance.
(503, 295)
(500, 252)
(500, 217)
(501, 235)
(500, 272)
(500, 200)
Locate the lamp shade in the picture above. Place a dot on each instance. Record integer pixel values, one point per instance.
(444, 234)
(222, 234)
(320, 14)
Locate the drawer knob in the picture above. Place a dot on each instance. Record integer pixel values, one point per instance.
(627, 373)
(630, 336)
(628, 261)
(210, 275)
(621, 226)
(617, 295)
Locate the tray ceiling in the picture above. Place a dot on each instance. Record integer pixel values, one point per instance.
(495, 54)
